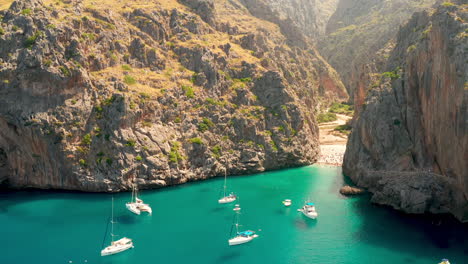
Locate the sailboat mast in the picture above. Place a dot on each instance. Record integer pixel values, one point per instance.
(225, 182)
(112, 219)
(237, 223)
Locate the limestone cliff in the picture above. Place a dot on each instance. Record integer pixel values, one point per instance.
(409, 146)
(359, 36)
(310, 16)
(96, 93)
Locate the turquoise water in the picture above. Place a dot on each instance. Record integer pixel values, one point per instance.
(188, 226)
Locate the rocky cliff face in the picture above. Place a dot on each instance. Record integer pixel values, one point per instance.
(409, 146)
(95, 94)
(310, 16)
(359, 36)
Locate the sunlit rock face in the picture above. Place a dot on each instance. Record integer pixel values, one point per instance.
(409, 145)
(95, 96)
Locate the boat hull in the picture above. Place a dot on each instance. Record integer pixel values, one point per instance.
(133, 208)
(241, 240)
(116, 248)
(312, 215)
(227, 199)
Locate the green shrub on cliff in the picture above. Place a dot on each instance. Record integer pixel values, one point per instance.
(26, 12)
(130, 143)
(196, 140)
(446, 4)
(82, 162)
(129, 80)
(205, 125)
(29, 43)
(174, 154)
(216, 151)
(188, 91)
(86, 141)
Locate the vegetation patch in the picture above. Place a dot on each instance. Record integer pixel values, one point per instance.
(205, 125)
(29, 43)
(86, 141)
(129, 80)
(341, 108)
(216, 151)
(326, 117)
(174, 154)
(345, 129)
(196, 140)
(188, 90)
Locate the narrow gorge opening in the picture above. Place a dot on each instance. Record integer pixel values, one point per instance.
(334, 129)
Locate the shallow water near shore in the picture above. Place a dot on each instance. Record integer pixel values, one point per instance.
(188, 225)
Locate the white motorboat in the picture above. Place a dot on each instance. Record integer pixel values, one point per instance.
(226, 198)
(287, 202)
(240, 237)
(136, 205)
(309, 210)
(119, 245)
(444, 261)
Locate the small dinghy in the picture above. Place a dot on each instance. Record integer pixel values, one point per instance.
(309, 210)
(236, 207)
(287, 202)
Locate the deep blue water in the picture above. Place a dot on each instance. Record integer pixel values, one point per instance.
(188, 225)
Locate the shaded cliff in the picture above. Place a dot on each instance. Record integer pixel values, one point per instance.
(409, 146)
(94, 94)
(359, 36)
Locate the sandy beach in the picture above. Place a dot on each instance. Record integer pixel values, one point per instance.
(332, 143)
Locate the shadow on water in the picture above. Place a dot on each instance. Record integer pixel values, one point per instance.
(429, 231)
(126, 219)
(228, 257)
(303, 223)
(217, 209)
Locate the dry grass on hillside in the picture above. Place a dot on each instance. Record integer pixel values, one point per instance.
(4, 4)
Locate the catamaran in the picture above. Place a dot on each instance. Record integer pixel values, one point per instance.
(136, 205)
(240, 237)
(309, 210)
(226, 198)
(119, 245)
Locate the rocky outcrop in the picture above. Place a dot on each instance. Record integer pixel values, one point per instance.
(93, 97)
(350, 190)
(409, 145)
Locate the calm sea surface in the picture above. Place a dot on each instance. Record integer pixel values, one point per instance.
(189, 226)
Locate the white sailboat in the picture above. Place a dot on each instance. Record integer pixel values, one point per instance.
(119, 245)
(136, 205)
(243, 236)
(309, 210)
(226, 198)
